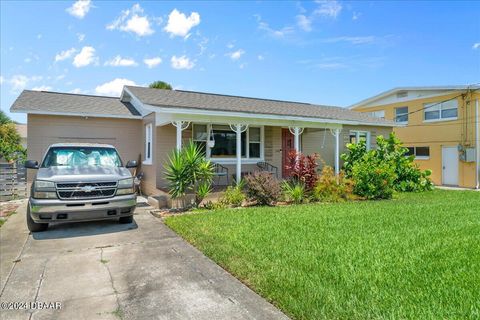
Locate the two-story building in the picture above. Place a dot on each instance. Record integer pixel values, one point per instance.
(440, 126)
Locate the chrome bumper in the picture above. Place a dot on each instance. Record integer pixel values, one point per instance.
(51, 210)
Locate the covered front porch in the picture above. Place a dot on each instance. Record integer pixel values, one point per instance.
(241, 145)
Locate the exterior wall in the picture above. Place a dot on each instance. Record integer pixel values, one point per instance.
(149, 181)
(322, 142)
(166, 138)
(44, 130)
(437, 134)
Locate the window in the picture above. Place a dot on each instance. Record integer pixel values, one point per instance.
(148, 144)
(225, 146)
(357, 136)
(401, 115)
(81, 157)
(419, 152)
(441, 110)
(378, 114)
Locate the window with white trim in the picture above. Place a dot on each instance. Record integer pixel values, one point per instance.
(419, 152)
(357, 136)
(401, 115)
(148, 144)
(225, 145)
(446, 110)
(378, 114)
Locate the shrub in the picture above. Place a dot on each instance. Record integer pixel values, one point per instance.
(187, 170)
(234, 195)
(303, 168)
(331, 188)
(373, 179)
(408, 178)
(262, 188)
(294, 191)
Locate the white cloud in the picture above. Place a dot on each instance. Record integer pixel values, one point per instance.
(331, 65)
(304, 22)
(77, 91)
(80, 37)
(179, 24)
(20, 81)
(152, 62)
(181, 62)
(2, 80)
(260, 57)
(80, 8)
(133, 20)
(328, 8)
(85, 57)
(356, 15)
(65, 54)
(230, 45)
(114, 87)
(276, 33)
(476, 45)
(39, 36)
(235, 55)
(118, 61)
(42, 88)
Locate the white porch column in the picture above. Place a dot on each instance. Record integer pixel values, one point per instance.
(296, 131)
(239, 128)
(337, 151)
(180, 125)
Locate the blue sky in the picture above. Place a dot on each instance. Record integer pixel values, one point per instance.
(325, 52)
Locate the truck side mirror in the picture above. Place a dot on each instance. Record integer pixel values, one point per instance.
(31, 164)
(131, 164)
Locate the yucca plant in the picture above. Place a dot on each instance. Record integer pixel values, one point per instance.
(187, 170)
(294, 191)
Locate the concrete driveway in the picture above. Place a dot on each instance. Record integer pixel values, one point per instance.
(105, 270)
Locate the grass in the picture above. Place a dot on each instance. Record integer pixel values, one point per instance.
(415, 257)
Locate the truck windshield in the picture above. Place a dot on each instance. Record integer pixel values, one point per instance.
(81, 156)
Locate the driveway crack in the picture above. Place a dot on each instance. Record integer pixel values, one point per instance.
(17, 260)
(118, 312)
(38, 287)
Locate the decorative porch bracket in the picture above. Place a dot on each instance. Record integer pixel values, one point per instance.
(180, 125)
(239, 128)
(296, 131)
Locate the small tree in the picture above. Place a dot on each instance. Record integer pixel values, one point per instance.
(11, 148)
(303, 168)
(160, 85)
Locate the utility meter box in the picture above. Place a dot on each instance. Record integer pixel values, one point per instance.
(468, 155)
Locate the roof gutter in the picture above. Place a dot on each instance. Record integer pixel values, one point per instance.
(92, 115)
(192, 111)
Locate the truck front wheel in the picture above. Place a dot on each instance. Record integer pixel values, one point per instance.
(32, 225)
(128, 219)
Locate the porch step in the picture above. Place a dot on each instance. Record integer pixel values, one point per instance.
(160, 202)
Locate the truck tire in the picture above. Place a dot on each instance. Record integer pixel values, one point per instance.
(32, 225)
(128, 219)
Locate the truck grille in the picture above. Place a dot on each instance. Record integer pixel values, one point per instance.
(86, 190)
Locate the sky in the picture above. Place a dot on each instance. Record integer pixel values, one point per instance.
(323, 52)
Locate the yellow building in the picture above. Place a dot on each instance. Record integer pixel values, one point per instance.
(439, 125)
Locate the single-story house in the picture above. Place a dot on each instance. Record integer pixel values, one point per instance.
(236, 132)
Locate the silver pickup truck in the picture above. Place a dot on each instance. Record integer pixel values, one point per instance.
(80, 182)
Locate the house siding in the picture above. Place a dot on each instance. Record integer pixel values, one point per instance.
(44, 130)
(149, 182)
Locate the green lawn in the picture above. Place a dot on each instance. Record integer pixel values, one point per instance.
(415, 257)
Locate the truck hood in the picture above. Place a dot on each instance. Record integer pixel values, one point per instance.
(83, 174)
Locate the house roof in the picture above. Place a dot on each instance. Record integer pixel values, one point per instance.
(46, 102)
(227, 103)
(418, 88)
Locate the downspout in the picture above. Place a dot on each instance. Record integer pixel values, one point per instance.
(477, 145)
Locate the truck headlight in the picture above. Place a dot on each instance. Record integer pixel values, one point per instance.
(44, 190)
(125, 186)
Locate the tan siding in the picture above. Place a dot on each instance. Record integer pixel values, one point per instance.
(165, 143)
(273, 147)
(43, 130)
(149, 183)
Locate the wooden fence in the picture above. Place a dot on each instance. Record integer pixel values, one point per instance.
(13, 181)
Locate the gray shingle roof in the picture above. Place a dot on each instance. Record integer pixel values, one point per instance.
(64, 103)
(218, 102)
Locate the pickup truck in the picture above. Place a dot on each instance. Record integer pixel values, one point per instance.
(80, 182)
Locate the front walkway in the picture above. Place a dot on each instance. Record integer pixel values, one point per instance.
(105, 270)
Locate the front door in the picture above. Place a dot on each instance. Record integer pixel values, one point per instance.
(450, 166)
(287, 146)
